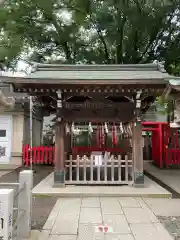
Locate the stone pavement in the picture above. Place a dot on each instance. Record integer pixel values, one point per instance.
(150, 189)
(170, 177)
(127, 219)
(3, 172)
(168, 212)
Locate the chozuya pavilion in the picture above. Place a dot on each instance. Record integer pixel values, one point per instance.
(117, 95)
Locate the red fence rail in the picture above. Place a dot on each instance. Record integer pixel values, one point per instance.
(38, 155)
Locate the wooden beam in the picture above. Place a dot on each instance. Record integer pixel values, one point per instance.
(126, 87)
(98, 105)
(98, 115)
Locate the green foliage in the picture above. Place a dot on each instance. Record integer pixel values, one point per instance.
(165, 105)
(91, 31)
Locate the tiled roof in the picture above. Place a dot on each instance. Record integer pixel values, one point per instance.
(99, 72)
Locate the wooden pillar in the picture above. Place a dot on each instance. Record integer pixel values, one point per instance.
(59, 171)
(137, 146)
(137, 149)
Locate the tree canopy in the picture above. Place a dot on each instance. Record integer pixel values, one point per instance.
(91, 31)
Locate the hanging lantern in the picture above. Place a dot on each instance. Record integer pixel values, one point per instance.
(114, 135)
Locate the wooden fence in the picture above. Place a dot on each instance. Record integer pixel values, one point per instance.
(38, 155)
(95, 170)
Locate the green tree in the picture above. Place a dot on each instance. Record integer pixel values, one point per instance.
(91, 31)
(165, 106)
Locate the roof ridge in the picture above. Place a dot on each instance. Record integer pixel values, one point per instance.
(97, 67)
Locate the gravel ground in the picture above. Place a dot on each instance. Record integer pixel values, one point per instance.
(172, 224)
(42, 205)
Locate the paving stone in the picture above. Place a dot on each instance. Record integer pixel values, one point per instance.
(63, 237)
(90, 215)
(164, 207)
(87, 232)
(117, 222)
(35, 235)
(91, 202)
(119, 237)
(129, 202)
(66, 224)
(141, 202)
(149, 232)
(68, 205)
(110, 206)
(44, 235)
(139, 215)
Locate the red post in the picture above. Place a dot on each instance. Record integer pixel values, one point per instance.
(160, 145)
(42, 154)
(46, 155)
(34, 155)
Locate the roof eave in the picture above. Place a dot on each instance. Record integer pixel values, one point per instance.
(26, 80)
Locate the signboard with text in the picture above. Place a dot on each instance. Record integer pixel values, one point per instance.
(6, 214)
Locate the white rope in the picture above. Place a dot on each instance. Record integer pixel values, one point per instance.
(90, 129)
(67, 129)
(121, 128)
(75, 130)
(72, 128)
(106, 128)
